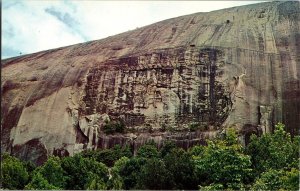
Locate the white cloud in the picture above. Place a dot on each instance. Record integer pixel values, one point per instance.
(27, 27)
(32, 29)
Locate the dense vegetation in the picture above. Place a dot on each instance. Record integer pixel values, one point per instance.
(269, 162)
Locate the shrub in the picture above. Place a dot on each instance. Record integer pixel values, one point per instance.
(197, 126)
(167, 148)
(197, 150)
(278, 180)
(52, 172)
(275, 151)
(154, 176)
(79, 171)
(108, 156)
(148, 150)
(14, 175)
(222, 162)
(193, 126)
(117, 181)
(38, 182)
(181, 169)
(114, 127)
(131, 172)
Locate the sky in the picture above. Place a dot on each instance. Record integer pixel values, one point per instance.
(30, 26)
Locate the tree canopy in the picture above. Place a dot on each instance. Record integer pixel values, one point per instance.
(268, 162)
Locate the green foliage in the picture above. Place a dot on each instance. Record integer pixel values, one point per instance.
(90, 154)
(116, 182)
(30, 166)
(194, 126)
(290, 179)
(182, 169)
(52, 172)
(38, 182)
(114, 127)
(269, 162)
(273, 151)
(295, 157)
(108, 156)
(95, 182)
(231, 137)
(197, 126)
(278, 179)
(79, 171)
(197, 150)
(154, 176)
(213, 187)
(148, 150)
(223, 162)
(131, 172)
(14, 175)
(167, 148)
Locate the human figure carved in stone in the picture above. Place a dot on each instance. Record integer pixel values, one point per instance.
(265, 113)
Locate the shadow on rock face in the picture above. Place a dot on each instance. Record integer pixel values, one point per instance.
(32, 150)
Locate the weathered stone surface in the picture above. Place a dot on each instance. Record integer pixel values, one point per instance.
(234, 67)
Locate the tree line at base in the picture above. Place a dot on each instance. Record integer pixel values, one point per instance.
(268, 162)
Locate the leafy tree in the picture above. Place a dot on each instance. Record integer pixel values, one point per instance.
(197, 150)
(223, 162)
(290, 179)
(52, 172)
(116, 181)
(273, 151)
(231, 138)
(14, 175)
(30, 166)
(182, 169)
(131, 172)
(278, 180)
(221, 165)
(167, 148)
(154, 176)
(38, 182)
(148, 150)
(95, 182)
(90, 154)
(78, 170)
(296, 153)
(108, 156)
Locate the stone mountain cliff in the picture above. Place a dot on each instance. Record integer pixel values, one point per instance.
(234, 67)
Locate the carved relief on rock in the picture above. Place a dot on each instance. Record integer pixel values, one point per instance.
(174, 87)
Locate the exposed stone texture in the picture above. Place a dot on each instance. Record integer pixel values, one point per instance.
(174, 87)
(32, 150)
(234, 67)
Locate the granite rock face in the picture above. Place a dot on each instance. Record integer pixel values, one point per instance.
(184, 79)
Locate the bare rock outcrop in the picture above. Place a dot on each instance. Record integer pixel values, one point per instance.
(182, 79)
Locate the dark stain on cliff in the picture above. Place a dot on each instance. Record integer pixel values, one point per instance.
(32, 150)
(9, 121)
(80, 136)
